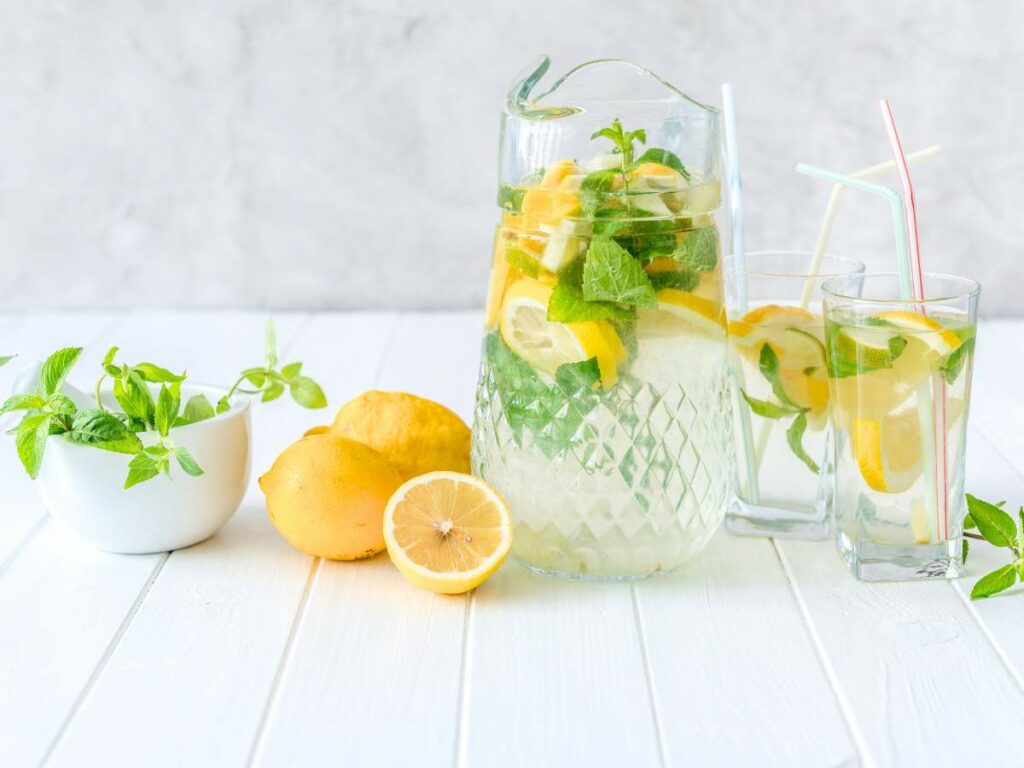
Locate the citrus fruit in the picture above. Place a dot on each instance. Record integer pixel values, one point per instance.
(326, 496)
(888, 450)
(545, 345)
(548, 202)
(680, 310)
(416, 435)
(940, 339)
(447, 531)
(317, 430)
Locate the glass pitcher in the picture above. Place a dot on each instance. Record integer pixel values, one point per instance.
(603, 410)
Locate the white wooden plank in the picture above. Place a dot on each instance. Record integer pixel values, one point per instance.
(734, 674)
(60, 606)
(202, 654)
(374, 669)
(910, 664)
(555, 676)
(33, 337)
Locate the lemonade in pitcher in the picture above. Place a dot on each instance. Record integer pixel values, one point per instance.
(602, 407)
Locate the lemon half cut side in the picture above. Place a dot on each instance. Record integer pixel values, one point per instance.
(447, 531)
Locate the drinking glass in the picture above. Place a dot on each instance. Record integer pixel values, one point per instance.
(900, 385)
(602, 413)
(780, 394)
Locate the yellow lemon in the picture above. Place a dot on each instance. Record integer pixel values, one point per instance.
(317, 430)
(416, 435)
(888, 450)
(326, 497)
(548, 202)
(447, 532)
(680, 310)
(932, 333)
(545, 344)
(499, 280)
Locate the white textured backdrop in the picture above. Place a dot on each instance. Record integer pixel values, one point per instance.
(342, 154)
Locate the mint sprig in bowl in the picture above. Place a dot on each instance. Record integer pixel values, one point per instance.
(147, 461)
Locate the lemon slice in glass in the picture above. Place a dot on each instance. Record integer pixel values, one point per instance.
(681, 311)
(545, 345)
(935, 335)
(447, 531)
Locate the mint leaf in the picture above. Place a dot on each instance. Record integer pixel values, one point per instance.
(22, 403)
(795, 438)
(256, 376)
(622, 140)
(663, 157)
(30, 440)
(596, 189)
(611, 274)
(270, 341)
(848, 358)
(56, 369)
(291, 371)
(993, 523)
(108, 359)
(567, 305)
(273, 391)
(682, 279)
(510, 197)
(521, 260)
(223, 405)
(609, 221)
(699, 251)
(134, 397)
(578, 378)
(965, 550)
(307, 393)
(61, 404)
(997, 581)
(186, 462)
(955, 360)
(5, 359)
(166, 410)
(156, 374)
(769, 410)
(769, 366)
(144, 466)
(101, 429)
(969, 522)
(198, 408)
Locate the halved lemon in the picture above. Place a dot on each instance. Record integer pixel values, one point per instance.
(544, 344)
(934, 334)
(447, 531)
(681, 309)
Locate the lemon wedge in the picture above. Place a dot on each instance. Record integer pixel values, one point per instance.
(935, 335)
(447, 531)
(681, 310)
(888, 450)
(546, 345)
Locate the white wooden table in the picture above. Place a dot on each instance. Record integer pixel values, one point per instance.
(241, 650)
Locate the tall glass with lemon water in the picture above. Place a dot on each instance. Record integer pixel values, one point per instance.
(602, 407)
(900, 383)
(780, 394)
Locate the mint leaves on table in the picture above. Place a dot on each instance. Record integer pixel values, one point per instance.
(782, 407)
(48, 411)
(997, 527)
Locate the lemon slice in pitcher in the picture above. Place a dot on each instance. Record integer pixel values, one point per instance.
(447, 532)
(545, 344)
(682, 311)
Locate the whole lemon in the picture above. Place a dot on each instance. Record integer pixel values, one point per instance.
(326, 495)
(416, 435)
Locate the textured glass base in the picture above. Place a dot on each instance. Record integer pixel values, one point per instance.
(873, 562)
(597, 578)
(745, 519)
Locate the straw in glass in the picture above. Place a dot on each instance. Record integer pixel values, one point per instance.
(732, 169)
(932, 421)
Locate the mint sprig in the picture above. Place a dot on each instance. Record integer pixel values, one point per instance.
(784, 408)
(270, 383)
(610, 273)
(998, 528)
(623, 140)
(49, 411)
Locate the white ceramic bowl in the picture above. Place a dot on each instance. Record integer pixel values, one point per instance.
(83, 487)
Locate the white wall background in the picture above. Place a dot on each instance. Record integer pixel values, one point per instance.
(342, 154)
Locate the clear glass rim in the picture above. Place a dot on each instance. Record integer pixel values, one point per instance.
(854, 266)
(970, 289)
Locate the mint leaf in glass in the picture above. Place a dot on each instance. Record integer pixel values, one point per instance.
(596, 189)
(795, 438)
(683, 279)
(567, 305)
(769, 410)
(664, 157)
(955, 360)
(699, 251)
(610, 273)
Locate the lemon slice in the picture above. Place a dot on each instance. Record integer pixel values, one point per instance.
(888, 450)
(932, 333)
(682, 311)
(546, 345)
(499, 279)
(447, 531)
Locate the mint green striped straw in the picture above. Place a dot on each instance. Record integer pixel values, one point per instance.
(899, 216)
